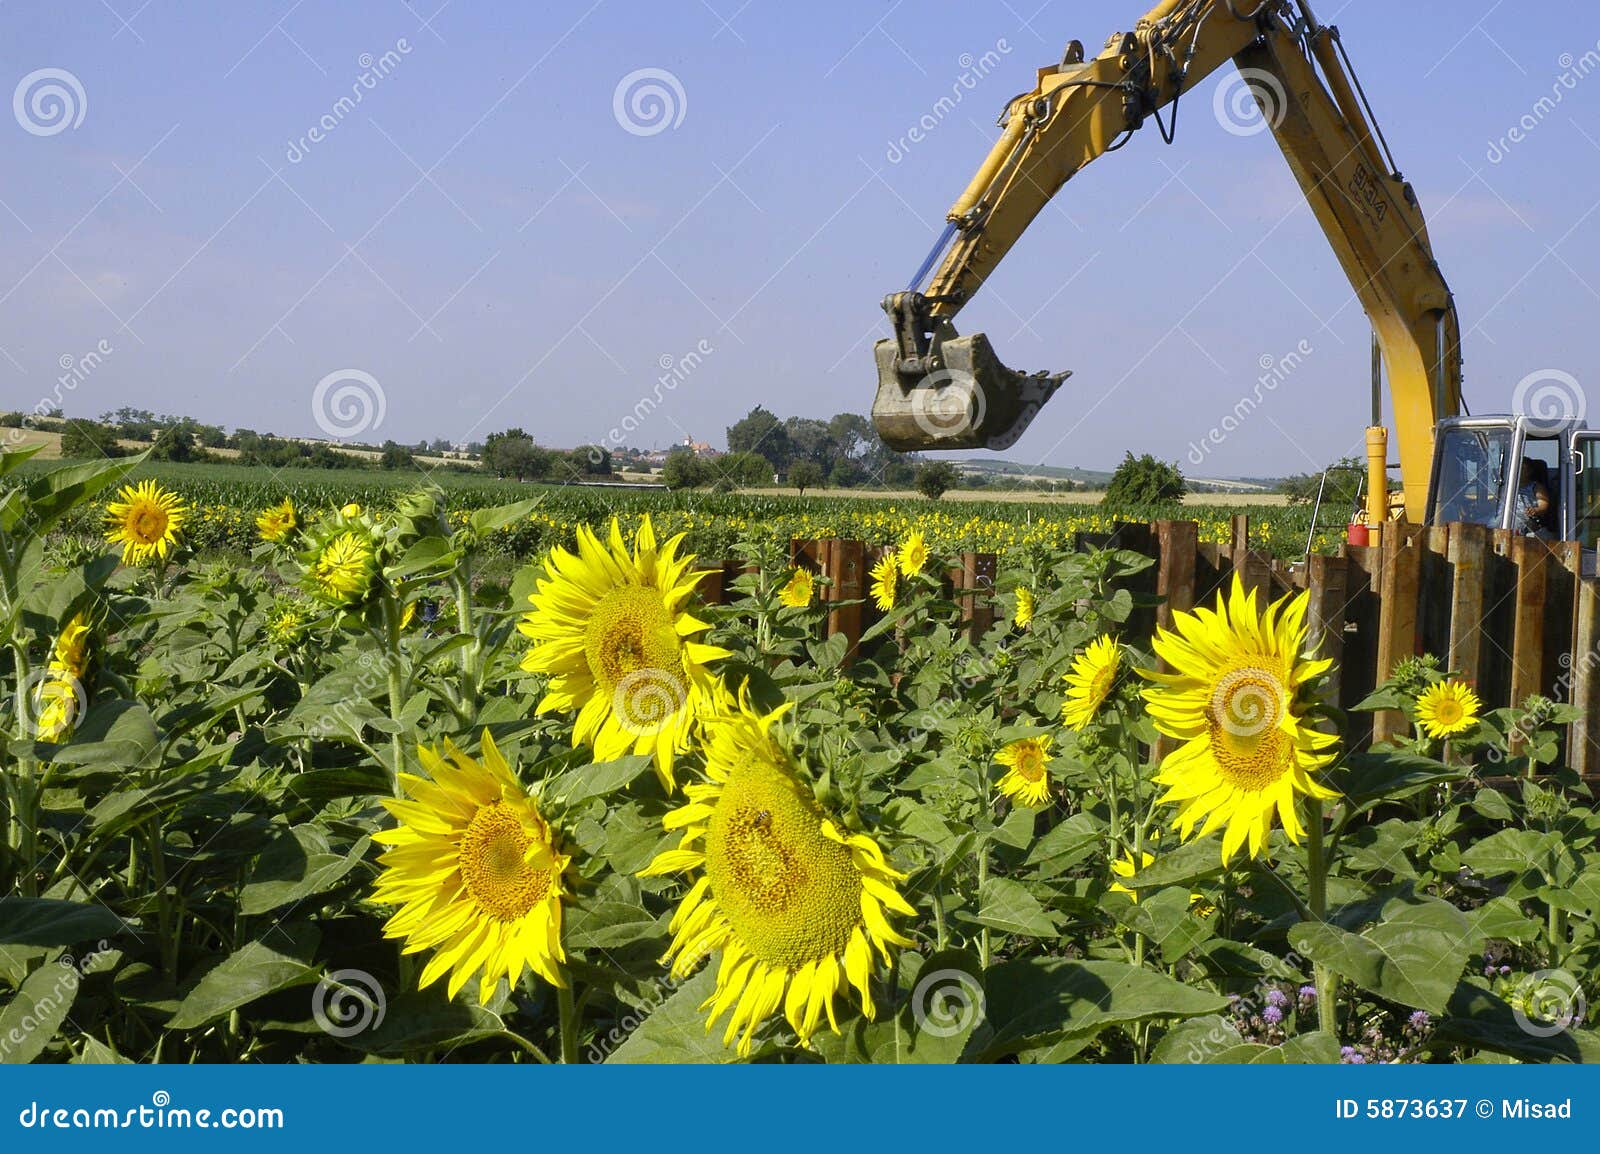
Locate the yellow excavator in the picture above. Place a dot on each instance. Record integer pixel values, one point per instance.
(940, 390)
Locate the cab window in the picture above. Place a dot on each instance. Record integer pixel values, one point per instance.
(1473, 474)
(1587, 514)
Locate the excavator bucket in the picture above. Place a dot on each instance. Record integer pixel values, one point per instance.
(970, 401)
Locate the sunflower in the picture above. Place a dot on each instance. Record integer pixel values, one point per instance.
(613, 632)
(1023, 615)
(795, 904)
(476, 872)
(276, 523)
(1233, 699)
(145, 521)
(799, 590)
(885, 582)
(1090, 681)
(342, 570)
(1027, 776)
(60, 698)
(1447, 708)
(913, 553)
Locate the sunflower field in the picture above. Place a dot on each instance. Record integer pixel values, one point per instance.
(225, 499)
(336, 797)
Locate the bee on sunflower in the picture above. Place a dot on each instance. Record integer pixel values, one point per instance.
(795, 904)
(145, 521)
(1236, 698)
(611, 627)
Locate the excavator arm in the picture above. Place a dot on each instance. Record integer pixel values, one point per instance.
(940, 390)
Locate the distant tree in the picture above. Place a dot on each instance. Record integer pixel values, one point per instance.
(396, 457)
(846, 474)
(89, 439)
(513, 454)
(760, 431)
(742, 469)
(1346, 479)
(935, 478)
(439, 447)
(684, 470)
(898, 471)
(591, 460)
(811, 440)
(1141, 481)
(805, 475)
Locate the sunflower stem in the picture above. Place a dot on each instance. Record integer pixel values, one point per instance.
(569, 1024)
(391, 630)
(1317, 885)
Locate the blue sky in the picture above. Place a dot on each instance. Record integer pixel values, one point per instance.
(483, 237)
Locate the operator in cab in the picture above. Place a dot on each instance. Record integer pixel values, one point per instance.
(1533, 500)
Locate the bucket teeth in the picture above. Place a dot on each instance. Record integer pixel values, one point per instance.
(971, 402)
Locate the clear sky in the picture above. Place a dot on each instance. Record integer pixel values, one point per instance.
(484, 236)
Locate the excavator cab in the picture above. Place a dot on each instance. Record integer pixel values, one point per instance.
(1485, 467)
(937, 390)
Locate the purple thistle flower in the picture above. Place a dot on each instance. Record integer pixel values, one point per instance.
(1350, 1056)
(1420, 1020)
(1276, 997)
(1272, 1015)
(1505, 971)
(1308, 993)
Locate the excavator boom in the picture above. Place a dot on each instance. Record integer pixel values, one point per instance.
(939, 390)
